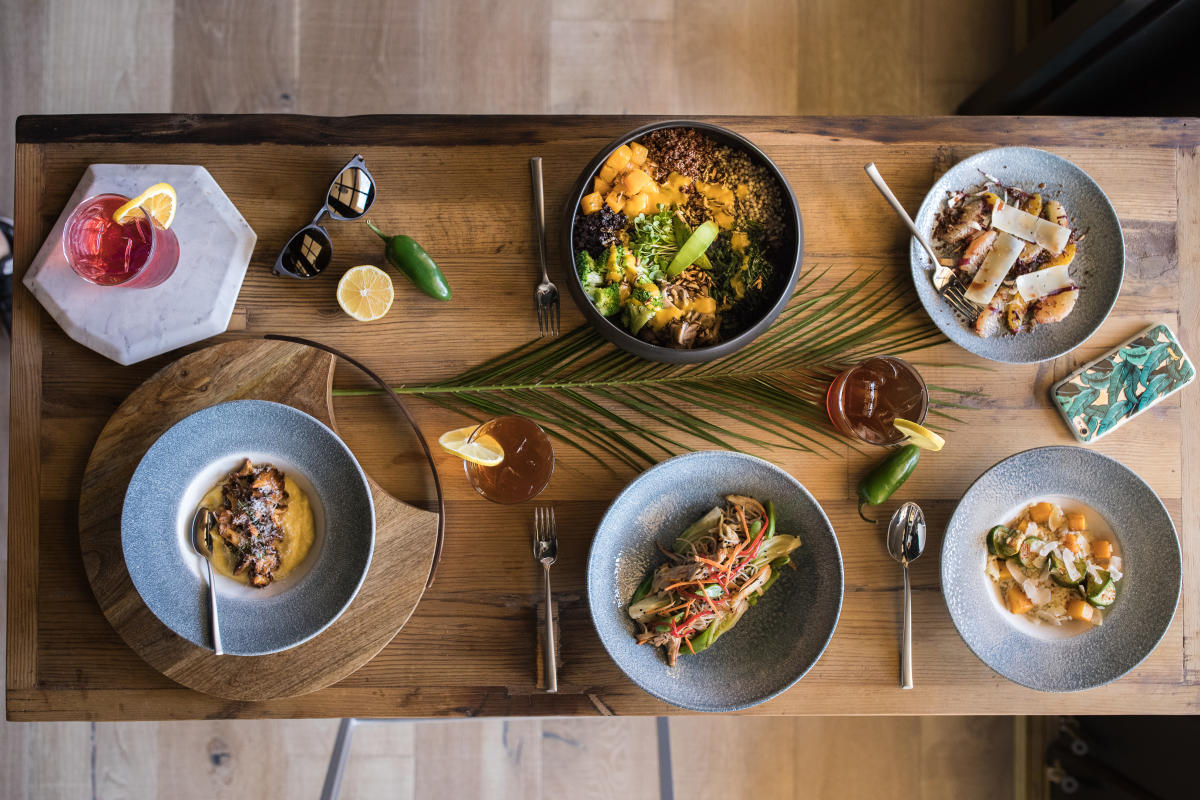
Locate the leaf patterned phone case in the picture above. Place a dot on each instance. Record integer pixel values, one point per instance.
(1102, 396)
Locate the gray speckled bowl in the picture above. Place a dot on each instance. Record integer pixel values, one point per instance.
(188, 460)
(1147, 595)
(1099, 267)
(776, 642)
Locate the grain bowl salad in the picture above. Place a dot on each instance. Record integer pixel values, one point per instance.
(680, 239)
(1052, 569)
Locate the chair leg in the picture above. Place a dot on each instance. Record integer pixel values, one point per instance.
(337, 760)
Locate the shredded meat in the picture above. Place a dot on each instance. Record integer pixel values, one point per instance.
(253, 502)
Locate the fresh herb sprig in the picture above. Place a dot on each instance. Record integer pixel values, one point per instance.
(653, 241)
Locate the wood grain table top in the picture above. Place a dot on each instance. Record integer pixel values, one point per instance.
(459, 185)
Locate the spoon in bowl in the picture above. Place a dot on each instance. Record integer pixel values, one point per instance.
(202, 544)
(905, 543)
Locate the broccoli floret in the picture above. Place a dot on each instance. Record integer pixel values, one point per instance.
(588, 269)
(607, 299)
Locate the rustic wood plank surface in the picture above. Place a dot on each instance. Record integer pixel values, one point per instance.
(459, 185)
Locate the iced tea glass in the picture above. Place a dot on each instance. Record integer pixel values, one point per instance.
(527, 466)
(136, 254)
(864, 400)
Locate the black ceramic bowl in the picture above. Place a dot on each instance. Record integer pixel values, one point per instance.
(613, 331)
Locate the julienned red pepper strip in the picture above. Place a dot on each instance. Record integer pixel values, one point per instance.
(677, 630)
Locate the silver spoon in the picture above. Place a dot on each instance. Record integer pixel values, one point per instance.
(905, 543)
(202, 544)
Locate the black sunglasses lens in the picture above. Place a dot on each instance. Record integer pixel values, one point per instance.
(352, 193)
(306, 254)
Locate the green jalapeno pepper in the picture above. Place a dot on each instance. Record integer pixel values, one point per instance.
(406, 255)
(880, 483)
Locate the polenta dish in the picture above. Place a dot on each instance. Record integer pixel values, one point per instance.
(265, 524)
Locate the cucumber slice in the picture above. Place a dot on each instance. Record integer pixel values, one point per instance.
(1025, 555)
(1101, 593)
(1058, 571)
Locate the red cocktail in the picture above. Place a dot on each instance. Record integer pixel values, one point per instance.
(137, 254)
(866, 399)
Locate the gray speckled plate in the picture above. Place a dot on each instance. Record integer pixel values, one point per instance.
(1099, 267)
(188, 460)
(1147, 595)
(776, 642)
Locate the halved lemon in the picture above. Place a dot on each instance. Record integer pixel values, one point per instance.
(159, 201)
(365, 292)
(919, 435)
(484, 451)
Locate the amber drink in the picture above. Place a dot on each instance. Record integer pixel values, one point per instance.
(527, 466)
(866, 399)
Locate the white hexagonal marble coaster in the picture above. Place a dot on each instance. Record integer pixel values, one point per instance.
(129, 325)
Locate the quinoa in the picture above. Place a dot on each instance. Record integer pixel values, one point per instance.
(682, 150)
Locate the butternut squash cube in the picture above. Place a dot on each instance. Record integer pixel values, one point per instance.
(1102, 548)
(638, 153)
(1016, 599)
(1040, 513)
(608, 174)
(634, 181)
(1071, 542)
(1076, 521)
(637, 204)
(1080, 610)
(620, 158)
(615, 201)
(600, 185)
(591, 203)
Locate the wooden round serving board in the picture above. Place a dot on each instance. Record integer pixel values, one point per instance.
(301, 377)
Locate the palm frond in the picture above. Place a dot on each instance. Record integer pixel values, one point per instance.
(617, 407)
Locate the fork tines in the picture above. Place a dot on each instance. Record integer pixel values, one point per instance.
(545, 532)
(548, 312)
(956, 296)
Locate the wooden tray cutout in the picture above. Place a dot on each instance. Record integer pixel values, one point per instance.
(284, 372)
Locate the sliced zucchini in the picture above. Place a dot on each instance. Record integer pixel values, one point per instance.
(1058, 571)
(1101, 593)
(1008, 544)
(1025, 555)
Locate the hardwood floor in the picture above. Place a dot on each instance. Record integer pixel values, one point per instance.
(484, 56)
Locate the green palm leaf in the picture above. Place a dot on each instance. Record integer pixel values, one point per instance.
(615, 406)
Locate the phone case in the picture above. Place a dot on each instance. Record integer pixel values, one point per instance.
(1105, 394)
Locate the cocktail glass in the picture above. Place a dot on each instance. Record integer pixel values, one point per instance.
(864, 400)
(136, 254)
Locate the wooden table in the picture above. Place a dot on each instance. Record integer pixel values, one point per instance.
(460, 186)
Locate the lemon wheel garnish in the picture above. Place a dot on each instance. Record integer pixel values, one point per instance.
(484, 451)
(919, 435)
(365, 292)
(158, 201)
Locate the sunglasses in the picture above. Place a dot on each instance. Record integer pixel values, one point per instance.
(310, 249)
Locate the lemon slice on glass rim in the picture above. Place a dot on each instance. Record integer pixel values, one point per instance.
(159, 202)
(919, 435)
(365, 292)
(484, 451)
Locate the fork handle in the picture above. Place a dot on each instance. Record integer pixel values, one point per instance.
(886, 191)
(539, 210)
(550, 659)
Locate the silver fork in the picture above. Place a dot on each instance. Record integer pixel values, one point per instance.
(944, 279)
(545, 299)
(545, 550)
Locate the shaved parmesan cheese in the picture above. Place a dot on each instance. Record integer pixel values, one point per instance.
(994, 269)
(1039, 595)
(1044, 282)
(1015, 570)
(1024, 225)
(1072, 572)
